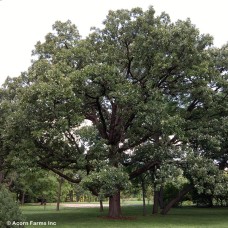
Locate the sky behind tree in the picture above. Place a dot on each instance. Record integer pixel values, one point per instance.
(24, 22)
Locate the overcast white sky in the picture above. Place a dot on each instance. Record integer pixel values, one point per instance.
(24, 22)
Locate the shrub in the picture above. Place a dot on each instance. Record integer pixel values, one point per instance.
(10, 214)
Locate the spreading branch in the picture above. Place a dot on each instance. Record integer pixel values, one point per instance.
(143, 169)
(45, 166)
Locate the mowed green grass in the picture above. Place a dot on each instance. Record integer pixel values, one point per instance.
(91, 217)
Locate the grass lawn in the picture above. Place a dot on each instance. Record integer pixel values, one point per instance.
(90, 217)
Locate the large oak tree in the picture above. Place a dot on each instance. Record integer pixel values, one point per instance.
(140, 82)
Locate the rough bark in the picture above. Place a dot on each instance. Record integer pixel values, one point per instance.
(114, 206)
(176, 199)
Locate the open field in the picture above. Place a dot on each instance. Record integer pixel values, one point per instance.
(69, 217)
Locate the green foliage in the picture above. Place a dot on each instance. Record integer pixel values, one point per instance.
(215, 192)
(205, 176)
(80, 191)
(9, 210)
(38, 184)
(168, 173)
(107, 181)
(172, 189)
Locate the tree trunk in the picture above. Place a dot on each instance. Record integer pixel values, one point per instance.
(1, 176)
(42, 202)
(71, 195)
(210, 201)
(161, 197)
(101, 206)
(59, 192)
(144, 196)
(23, 198)
(176, 200)
(114, 206)
(156, 202)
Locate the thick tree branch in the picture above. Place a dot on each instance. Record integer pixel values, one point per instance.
(102, 119)
(143, 169)
(134, 144)
(129, 121)
(168, 74)
(130, 59)
(45, 166)
(192, 105)
(72, 139)
(180, 195)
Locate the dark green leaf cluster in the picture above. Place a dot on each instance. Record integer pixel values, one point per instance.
(9, 210)
(107, 181)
